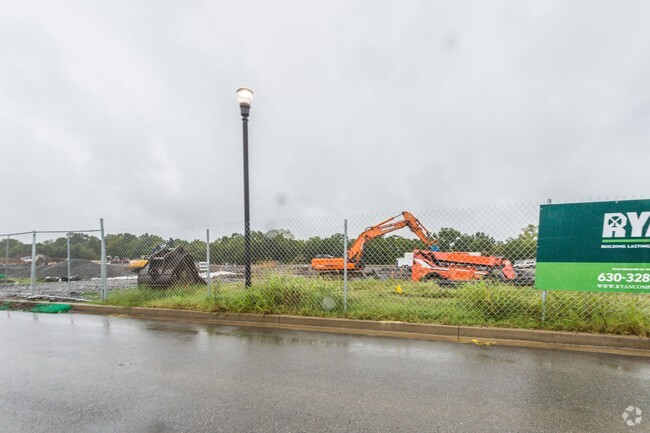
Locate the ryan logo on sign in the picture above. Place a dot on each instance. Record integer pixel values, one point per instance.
(629, 224)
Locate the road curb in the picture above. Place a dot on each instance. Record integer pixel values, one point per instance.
(601, 343)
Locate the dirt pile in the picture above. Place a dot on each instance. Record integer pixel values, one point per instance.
(85, 269)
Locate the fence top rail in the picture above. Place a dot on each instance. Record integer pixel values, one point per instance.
(50, 232)
(15, 234)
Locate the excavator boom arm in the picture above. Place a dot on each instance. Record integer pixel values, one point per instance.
(355, 253)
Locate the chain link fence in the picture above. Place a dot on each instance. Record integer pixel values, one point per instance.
(53, 265)
(472, 266)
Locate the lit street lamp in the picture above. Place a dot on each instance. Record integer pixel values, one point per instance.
(245, 97)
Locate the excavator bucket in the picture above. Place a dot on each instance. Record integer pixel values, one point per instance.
(169, 266)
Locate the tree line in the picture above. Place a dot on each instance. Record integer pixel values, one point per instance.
(278, 245)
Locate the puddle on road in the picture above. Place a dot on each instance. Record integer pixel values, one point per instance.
(170, 327)
(277, 337)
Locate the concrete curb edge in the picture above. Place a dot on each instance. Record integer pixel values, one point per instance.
(601, 343)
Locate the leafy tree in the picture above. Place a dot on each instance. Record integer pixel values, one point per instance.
(448, 238)
(280, 245)
(121, 245)
(16, 248)
(332, 246)
(195, 248)
(523, 246)
(478, 242)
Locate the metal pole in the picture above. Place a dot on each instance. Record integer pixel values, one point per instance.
(345, 265)
(207, 254)
(103, 291)
(32, 285)
(7, 263)
(245, 110)
(548, 201)
(69, 287)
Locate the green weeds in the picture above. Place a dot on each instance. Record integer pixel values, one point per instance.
(478, 304)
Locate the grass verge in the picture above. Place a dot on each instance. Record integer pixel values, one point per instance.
(478, 304)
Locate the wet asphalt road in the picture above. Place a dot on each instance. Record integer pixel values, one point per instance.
(77, 373)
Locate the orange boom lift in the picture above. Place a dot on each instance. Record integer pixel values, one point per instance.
(459, 266)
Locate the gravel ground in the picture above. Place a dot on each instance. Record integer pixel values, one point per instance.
(119, 277)
(76, 289)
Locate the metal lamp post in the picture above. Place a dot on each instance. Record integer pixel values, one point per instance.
(245, 97)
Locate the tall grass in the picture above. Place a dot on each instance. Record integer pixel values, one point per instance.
(478, 304)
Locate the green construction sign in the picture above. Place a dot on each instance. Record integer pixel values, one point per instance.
(596, 247)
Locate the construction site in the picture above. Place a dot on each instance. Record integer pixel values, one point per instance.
(476, 267)
(169, 266)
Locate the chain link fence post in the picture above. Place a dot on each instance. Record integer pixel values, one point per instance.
(32, 284)
(103, 290)
(207, 258)
(7, 263)
(345, 265)
(548, 201)
(67, 235)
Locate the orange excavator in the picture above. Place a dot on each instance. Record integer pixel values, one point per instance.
(333, 265)
(428, 265)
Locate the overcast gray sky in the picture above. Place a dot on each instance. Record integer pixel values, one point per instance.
(126, 110)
